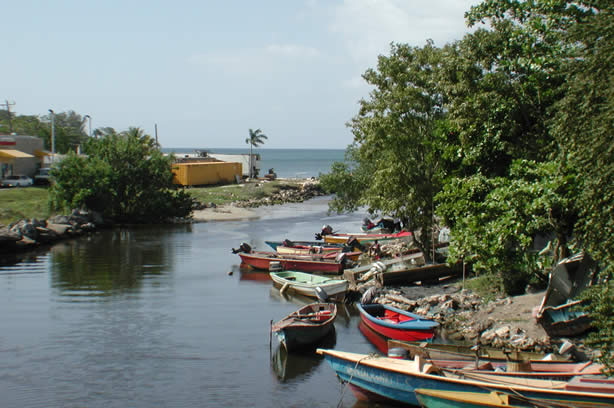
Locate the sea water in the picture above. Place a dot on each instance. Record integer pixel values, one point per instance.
(286, 163)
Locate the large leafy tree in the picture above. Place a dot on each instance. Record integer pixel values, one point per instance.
(124, 176)
(398, 137)
(585, 126)
(255, 139)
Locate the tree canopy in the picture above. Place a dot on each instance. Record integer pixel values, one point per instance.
(507, 134)
(124, 176)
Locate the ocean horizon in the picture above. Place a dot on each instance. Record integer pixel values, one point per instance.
(287, 163)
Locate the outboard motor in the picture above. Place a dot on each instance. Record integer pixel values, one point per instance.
(244, 247)
(327, 230)
(353, 243)
(321, 294)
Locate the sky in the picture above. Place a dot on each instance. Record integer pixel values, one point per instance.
(205, 72)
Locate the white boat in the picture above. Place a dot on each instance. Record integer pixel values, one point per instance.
(306, 284)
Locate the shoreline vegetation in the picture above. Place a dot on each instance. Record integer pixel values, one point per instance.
(511, 316)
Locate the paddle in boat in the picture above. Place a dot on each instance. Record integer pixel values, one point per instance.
(307, 326)
(307, 284)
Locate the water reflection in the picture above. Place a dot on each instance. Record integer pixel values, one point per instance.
(113, 261)
(296, 365)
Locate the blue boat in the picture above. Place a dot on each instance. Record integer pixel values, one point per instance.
(375, 378)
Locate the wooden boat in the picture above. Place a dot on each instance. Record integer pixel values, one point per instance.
(393, 323)
(306, 326)
(460, 352)
(376, 377)
(305, 244)
(313, 263)
(404, 270)
(461, 399)
(560, 313)
(305, 284)
(364, 237)
(284, 250)
(513, 365)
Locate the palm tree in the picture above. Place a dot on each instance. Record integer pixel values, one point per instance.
(255, 139)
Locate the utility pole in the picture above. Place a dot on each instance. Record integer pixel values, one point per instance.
(8, 111)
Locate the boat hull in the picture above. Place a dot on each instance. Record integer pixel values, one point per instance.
(415, 328)
(307, 326)
(397, 380)
(306, 284)
(303, 265)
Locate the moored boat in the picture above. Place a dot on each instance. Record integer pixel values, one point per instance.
(306, 284)
(393, 323)
(306, 326)
(393, 379)
(313, 263)
(462, 399)
(363, 237)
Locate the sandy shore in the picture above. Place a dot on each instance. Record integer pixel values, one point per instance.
(224, 213)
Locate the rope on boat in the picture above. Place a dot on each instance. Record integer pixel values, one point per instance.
(368, 356)
(514, 392)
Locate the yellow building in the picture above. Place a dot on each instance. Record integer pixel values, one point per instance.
(206, 173)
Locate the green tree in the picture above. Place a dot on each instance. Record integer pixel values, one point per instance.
(255, 139)
(399, 134)
(584, 124)
(125, 177)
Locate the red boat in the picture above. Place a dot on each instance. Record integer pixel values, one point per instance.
(397, 324)
(310, 263)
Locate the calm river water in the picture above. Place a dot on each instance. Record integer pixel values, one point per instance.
(151, 317)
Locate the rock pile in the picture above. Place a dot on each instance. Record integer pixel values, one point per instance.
(455, 312)
(289, 194)
(29, 233)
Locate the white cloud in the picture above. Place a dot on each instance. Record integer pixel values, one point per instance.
(369, 26)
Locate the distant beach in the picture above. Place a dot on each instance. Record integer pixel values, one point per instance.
(287, 163)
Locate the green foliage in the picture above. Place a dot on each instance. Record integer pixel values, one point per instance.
(125, 177)
(494, 220)
(489, 287)
(585, 126)
(256, 138)
(398, 141)
(68, 127)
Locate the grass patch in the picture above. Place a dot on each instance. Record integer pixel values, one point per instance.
(20, 203)
(220, 195)
(489, 287)
(33, 202)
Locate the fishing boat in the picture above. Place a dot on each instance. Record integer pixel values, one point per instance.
(317, 246)
(307, 250)
(462, 399)
(313, 263)
(306, 326)
(393, 323)
(437, 351)
(363, 237)
(383, 378)
(307, 284)
(560, 312)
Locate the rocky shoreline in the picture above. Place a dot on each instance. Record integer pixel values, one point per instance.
(465, 317)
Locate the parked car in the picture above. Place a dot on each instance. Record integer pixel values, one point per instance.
(16, 181)
(42, 177)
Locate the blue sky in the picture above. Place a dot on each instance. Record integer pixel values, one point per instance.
(207, 71)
